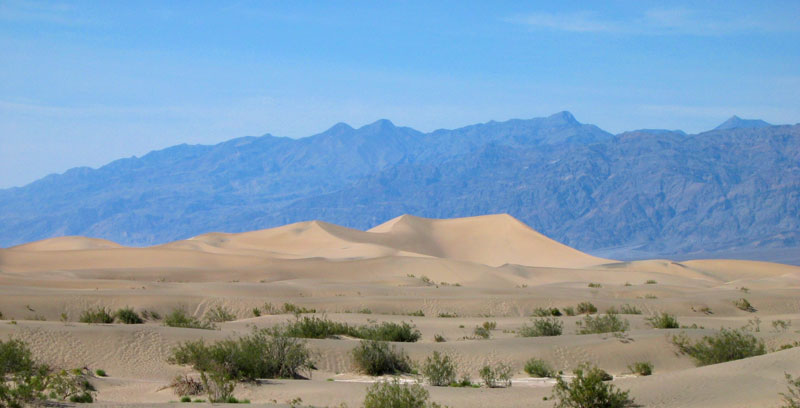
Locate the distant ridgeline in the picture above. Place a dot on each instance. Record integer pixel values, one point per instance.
(736, 187)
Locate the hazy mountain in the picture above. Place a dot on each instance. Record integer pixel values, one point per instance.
(736, 122)
(660, 191)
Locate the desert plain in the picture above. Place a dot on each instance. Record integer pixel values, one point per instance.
(472, 270)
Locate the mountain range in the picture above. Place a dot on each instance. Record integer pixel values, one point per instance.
(734, 190)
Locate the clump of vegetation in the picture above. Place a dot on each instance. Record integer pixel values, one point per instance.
(608, 323)
(439, 370)
(96, 315)
(537, 367)
(586, 308)
(727, 345)
(706, 310)
(313, 327)
(546, 312)
(439, 338)
(151, 315)
(294, 309)
(264, 353)
(26, 382)
(219, 314)
(418, 313)
(792, 398)
(781, 325)
(256, 312)
(663, 321)
(181, 318)
(389, 331)
(481, 332)
(447, 314)
(489, 325)
(377, 358)
(496, 376)
(128, 316)
(101, 373)
(743, 304)
(588, 389)
(183, 385)
(595, 285)
(642, 368)
(744, 289)
(629, 309)
(390, 394)
(569, 311)
(650, 282)
(650, 296)
(543, 326)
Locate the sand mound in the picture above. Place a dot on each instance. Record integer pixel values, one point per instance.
(71, 243)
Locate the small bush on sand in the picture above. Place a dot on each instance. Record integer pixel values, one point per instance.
(608, 323)
(128, 316)
(439, 338)
(393, 394)
(151, 315)
(543, 326)
(629, 309)
(439, 370)
(743, 304)
(294, 309)
(663, 321)
(781, 325)
(642, 368)
(312, 327)
(101, 373)
(481, 332)
(727, 345)
(792, 398)
(650, 282)
(183, 385)
(496, 376)
(418, 313)
(537, 367)
(489, 325)
(219, 314)
(96, 315)
(264, 353)
(389, 331)
(586, 308)
(546, 312)
(569, 311)
(595, 285)
(181, 318)
(377, 358)
(587, 389)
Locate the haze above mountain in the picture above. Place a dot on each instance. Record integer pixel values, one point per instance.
(735, 189)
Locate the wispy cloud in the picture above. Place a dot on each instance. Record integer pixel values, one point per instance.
(656, 21)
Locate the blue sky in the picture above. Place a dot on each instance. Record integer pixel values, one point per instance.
(83, 83)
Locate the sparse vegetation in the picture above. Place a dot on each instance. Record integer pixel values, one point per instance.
(546, 312)
(128, 316)
(588, 390)
(727, 345)
(294, 309)
(629, 310)
(650, 282)
(151, 315)
(183, 385)
(219, 314)
(608, 323)
(377, 358)
(781, 325)
(439, 338)
(101, 373)
(650, 296)
(256, 312)
(586, 308)
(791, 399)
(181, 318)
(439, 370)
(744, 289)
(663, 320)
(481, 332)
(595, 285)
(537, 367)
(543, 326)
(393, 394)
(489, 325)
(569, 311)
(96, 315)
(743, 304)
(706, 310)
(642, 368)
(496, 376)
(418, 313)
(447, 314)
(313, 327)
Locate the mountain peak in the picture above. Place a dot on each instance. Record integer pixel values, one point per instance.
(380, 124)
(736, 122)
(564, 117)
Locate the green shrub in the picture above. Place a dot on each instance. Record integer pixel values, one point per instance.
(389, 331)
(393, 394)
(186, 399)
(608, 323)
(586, 308)
(313, 327)
(727, 345)
(96, 315)
(537, 367)
(546, 312)
(418, 313)
(489, 325)
(629, 309)
(256, 312)
(219, 314)
(264, 353)
(588, 390)
(292, 308)
(181, 318)
(481, 332)
(439, 338)
(792, 398)
(128, 316)
(743, 304)
(151, 315)
(447, 314)
(439, 370)
(663, 321)
(650, 296)
(569, 311)
(101, 373)
(642, 368)
(595, 285)
(781, 325)
(543, 326)
(650, 282)
(496, 376)
(377, 358)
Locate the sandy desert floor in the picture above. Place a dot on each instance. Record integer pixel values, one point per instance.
(490, 268)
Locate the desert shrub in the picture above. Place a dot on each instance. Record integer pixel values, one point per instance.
(256, 312)
(377, 358)
(569, 311)
(184, 385)
(595, 285)
(481, 332)
(663, 321)
(743, 304)
(727, 345)
(292, 308)
(608, 323)
(650, 296)
(181, 318)
(264, 353)
(650, 282)
(96, 315)
(489, 325)
(393, 394)
(312, 327)
(792, 398)
(537, 367)
(447, 314)
(496, 376)
(543, 326)
(587, 390)
(439, 338)
(151, 315)
(418, 313)
(219, 314)
(389, 331)
(781, 325)
(439, 369)
(546, 312)
(101, 373)
(128, 316)
(219, 384)
(1, 316)
(642, 368)
(586, 308)
(629, 309)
